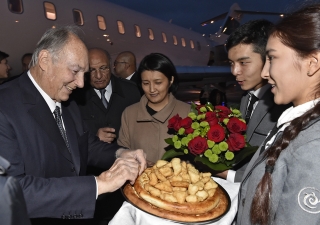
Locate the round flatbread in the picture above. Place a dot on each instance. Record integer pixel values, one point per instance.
(178, 191)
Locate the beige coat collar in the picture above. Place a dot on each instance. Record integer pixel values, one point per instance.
(160, 116)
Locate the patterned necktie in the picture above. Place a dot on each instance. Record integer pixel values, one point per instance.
(103, 98)
(250, 107)
(57, 116)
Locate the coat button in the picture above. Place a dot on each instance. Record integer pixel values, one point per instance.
(243, 201)
(73, 169)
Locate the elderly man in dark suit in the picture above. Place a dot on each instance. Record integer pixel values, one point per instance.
(102, 102)
(247, 56)
(101, 105)
(43, 137)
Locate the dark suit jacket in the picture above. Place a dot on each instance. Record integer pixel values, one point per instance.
(135, 80)
(263, 119)
(52, 179)
(13, 208)
(95, 115)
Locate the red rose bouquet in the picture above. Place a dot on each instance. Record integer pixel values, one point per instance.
(214, 136)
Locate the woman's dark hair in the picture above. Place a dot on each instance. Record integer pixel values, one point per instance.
(3, 55)
(299, 31)
(161, 63)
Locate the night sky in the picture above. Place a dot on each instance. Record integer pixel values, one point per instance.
(190, 13)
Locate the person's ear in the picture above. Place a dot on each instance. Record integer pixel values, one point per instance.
(43, 59)
(314, 64)
(171, 82)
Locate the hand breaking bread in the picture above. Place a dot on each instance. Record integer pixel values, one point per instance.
(177, 190)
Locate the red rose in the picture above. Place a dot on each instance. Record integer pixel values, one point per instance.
(189, 130)
(198, 145)
(174, 122)
(216, 133)
(223, 112)
(236, 142)
(186, 122)
(236, 126)
(211, 118)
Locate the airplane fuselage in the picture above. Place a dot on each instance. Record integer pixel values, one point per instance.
(19, 32)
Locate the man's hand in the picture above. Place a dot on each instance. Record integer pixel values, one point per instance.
(223, 174)
(122, 170)
(138, 155)
(106, 134)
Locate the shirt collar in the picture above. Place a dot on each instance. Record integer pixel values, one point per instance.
(261, 91)
(129, 77)
(108, 90)
(52, 104)
(293, 112)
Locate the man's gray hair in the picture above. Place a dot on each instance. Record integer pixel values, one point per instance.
(54, 40)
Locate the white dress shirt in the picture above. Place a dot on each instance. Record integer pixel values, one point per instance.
(108, 92)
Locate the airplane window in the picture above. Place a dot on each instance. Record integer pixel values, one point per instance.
(164, 37)
(77, 17)
(120, 27)
(101, 23)
(137, 30)
(183, 42)
(151, 37)
(50, 10)
(199, 46)
(15, 6)
(175, 41)
(191, 44)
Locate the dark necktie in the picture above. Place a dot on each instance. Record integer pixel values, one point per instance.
(103, 98)
(250, 107)
(57, 116)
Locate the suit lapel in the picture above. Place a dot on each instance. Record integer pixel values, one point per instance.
(40, 112)
(263, 107)
(96, 100)
(72, 137)
(243, 105)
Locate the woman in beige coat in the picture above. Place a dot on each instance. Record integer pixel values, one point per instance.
(144, 124)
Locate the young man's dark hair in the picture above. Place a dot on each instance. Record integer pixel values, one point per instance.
(254, 32)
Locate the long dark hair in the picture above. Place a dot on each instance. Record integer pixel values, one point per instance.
(299, 31)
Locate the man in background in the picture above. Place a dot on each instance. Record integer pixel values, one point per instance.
(101, 105)
(4, 67)
(125, 66)
(25, 60)
(105, 96)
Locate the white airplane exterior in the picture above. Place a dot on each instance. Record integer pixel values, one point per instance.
(105, 25)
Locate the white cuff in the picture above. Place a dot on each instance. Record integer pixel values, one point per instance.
(96, 187)
(231, 175)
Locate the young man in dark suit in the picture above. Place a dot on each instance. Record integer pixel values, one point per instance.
(247, 56)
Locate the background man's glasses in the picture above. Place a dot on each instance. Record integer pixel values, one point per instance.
(115, 63)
